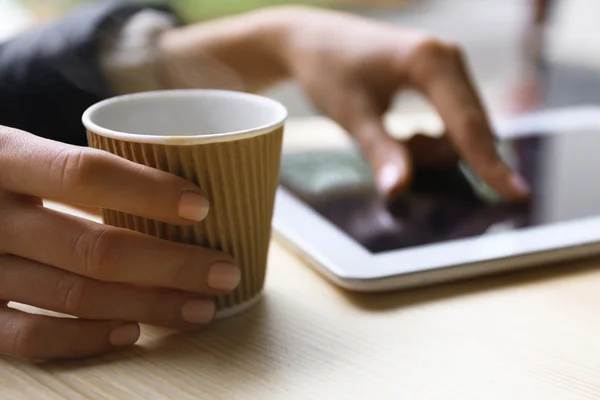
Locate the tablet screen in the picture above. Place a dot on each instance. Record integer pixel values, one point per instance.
(448, 203)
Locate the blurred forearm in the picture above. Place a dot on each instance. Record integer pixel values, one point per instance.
(241, 52)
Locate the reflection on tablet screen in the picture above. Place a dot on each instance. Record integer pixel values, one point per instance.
(445, 203)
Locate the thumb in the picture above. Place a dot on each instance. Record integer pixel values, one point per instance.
(389, 159)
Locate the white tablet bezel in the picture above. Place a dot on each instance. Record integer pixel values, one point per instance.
(348, 264)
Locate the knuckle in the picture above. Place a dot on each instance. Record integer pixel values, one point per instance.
(434, 48)
(72, 291)
(5, 137)
(453, 50)
(8, 136)
(92, 250)
(428, 48)
(74, 167)
(430, 55)
(9, 143)
(22, 338)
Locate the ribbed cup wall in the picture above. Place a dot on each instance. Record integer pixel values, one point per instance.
(238, 177)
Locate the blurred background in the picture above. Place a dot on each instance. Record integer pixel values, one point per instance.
(516, 66)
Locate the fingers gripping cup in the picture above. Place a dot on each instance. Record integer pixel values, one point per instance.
(228, 143)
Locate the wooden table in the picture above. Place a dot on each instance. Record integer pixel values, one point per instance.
(529, 335)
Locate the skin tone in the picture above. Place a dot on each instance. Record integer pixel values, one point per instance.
(541, 9)
(114, 279)
(529, 91)
(534, 39)
(353, 84)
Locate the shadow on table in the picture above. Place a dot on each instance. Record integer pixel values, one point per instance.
(438, 292)
(224, 349)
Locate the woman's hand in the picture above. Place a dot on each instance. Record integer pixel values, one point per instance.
(351, 68)
(112, 279)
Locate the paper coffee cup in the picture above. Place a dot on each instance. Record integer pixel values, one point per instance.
(228, 143)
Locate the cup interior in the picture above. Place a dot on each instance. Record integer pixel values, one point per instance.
(184, 113)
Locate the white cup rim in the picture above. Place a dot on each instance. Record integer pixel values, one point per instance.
(279, 111)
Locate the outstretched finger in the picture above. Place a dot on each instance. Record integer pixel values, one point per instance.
(389, 159)
(441, 73)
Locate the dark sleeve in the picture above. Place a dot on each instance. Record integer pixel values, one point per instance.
(50, 75)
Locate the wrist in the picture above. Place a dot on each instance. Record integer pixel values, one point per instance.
(283, 28)
(272, 31)
(245, 52)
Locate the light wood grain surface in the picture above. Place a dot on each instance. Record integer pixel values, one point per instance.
(529, 335)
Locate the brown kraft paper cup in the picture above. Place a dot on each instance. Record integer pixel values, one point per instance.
(237, 170)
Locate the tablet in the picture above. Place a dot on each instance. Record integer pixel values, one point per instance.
(448, 225)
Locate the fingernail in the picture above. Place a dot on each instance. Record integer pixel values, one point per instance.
(389, 177)
(198, 311)
(223, 276)
(519, 184)
(125, 335)
(193, 206)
